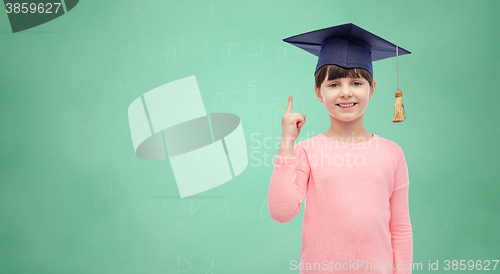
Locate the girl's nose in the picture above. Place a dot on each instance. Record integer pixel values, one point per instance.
(345, 93)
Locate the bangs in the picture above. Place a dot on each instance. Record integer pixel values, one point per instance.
(336, 72)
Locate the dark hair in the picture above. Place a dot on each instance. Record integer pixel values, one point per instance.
(335, 72)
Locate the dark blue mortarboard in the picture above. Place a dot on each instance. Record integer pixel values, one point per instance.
(347, 45)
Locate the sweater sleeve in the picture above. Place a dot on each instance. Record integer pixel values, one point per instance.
(288, 185)
(400, 225)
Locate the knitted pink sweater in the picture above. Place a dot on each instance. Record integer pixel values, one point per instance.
(356, 215)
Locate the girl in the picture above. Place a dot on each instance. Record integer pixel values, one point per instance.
(356, 215)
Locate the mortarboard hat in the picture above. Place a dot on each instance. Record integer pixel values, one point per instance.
(349, 46)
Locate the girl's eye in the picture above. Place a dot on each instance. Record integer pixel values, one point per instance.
(355, 83)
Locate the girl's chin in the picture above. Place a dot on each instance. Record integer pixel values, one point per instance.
(343, 117)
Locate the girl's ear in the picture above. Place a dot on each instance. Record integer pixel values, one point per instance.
(319, 94)
(372, 89)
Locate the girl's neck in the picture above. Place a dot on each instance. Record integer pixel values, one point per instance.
(344, 130)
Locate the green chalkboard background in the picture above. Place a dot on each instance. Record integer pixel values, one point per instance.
(74, 197)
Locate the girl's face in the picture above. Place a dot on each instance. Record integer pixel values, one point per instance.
(345, 91)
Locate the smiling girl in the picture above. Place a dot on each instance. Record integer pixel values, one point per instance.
(345, 93)
(356, 213)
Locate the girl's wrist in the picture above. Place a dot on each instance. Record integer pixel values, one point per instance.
(287, 140)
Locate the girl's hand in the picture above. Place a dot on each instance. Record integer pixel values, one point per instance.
(291, 123)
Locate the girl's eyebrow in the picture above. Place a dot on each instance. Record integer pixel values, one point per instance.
(338, 79)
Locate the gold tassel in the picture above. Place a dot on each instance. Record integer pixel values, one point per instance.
(399, 111)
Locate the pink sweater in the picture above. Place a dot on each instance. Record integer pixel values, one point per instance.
(356, 215)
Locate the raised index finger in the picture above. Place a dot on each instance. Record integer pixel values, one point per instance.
(289, 107)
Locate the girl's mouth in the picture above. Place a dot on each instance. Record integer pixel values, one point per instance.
(347, 106)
